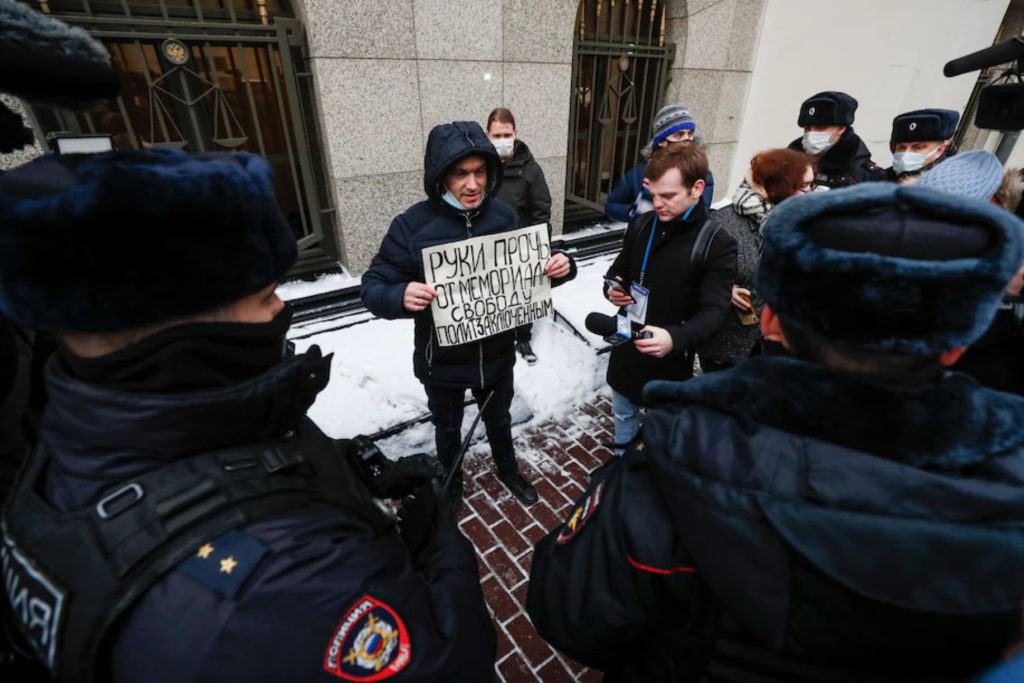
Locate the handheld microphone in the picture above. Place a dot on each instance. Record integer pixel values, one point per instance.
(615, 330)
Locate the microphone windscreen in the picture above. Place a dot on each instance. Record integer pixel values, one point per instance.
(601, 324)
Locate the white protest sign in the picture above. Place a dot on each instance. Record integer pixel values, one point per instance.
(488, 285)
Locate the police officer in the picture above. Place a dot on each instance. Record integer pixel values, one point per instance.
(920, 139)
(842, 157)
(852, 513)
(182, 519)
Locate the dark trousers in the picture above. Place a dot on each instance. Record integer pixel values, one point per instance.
(524, 333)
(446, 408)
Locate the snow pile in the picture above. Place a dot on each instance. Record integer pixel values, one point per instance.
(296, 289)
(584, 295)
(372, 386)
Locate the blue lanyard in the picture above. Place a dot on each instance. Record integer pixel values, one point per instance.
(650, 241)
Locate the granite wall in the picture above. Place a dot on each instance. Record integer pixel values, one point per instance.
(716, 41)
(387, 72)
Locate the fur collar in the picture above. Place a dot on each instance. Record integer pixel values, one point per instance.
(948, 423)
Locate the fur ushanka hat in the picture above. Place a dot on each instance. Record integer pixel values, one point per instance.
(889, 267)
(121, 240)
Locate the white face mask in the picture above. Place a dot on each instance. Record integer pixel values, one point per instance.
(504, 146)
(817, 143)
(908, 162)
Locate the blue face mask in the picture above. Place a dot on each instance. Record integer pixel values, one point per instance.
(450, 199)
(908, 162)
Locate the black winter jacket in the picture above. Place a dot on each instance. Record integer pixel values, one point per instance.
(692, 312)
(312, 567)
(848, 162)
(523, 187)
(779, 521)
(429, 223)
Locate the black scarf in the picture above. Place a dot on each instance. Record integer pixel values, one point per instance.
(186, 358)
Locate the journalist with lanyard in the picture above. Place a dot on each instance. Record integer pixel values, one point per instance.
(662, 291)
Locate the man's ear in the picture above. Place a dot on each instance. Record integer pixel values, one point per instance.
(950, 358)
(698, 189)
(771, 329)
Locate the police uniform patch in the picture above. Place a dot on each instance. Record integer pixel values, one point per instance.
(583, 512)
(370, 644)
(223, 564)
(37, 601)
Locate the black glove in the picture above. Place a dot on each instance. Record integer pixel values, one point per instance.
(421, 515)
(390, 478)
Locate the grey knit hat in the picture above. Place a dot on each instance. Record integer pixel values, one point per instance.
(976, 174)
(672, 119)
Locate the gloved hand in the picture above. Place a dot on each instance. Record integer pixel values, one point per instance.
(421, 515)
(390, 478)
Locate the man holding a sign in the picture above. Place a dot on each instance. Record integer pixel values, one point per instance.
(461, 267)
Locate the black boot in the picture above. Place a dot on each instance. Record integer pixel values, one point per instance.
(519, 487)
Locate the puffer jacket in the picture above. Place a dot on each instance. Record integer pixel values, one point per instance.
(523, 187)
(432, 222)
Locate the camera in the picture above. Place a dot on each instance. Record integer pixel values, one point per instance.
(1000, 107)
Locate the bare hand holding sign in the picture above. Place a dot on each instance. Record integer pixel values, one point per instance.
(491, 284)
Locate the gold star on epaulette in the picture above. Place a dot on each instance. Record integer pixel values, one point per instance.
(204, 552)
(640, 446)
(228, 564)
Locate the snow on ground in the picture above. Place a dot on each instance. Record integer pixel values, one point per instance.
(296, 289)
(585, 294)
(591, 230)
(372, 386)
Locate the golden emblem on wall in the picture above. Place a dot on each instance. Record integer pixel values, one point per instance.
(174, 51)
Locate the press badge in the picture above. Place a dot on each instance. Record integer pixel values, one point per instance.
(637, 312)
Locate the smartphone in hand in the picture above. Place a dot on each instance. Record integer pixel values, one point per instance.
(615, 284)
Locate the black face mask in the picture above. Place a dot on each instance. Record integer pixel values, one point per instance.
(186, 358)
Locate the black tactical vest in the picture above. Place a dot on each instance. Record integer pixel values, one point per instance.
(70, 576)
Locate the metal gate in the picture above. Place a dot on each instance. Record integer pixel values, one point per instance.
(620, 70)
(210, 75)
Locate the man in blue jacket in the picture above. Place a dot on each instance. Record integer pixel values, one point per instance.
(182, 519)
(629, 198)
(853, 513)
(462, 174)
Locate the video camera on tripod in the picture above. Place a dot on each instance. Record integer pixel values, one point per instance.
(1000, 106)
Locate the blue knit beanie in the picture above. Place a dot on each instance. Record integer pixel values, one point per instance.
(671, 119)
(976, 174)
(122, 240)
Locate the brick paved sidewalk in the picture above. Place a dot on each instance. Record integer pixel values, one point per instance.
(556, 457)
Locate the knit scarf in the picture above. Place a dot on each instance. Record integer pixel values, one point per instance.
(753, 205)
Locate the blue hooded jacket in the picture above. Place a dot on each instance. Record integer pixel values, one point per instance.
(432, 222)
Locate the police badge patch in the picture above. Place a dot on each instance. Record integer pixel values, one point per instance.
(370, 643)
(580, 515)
